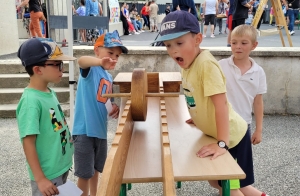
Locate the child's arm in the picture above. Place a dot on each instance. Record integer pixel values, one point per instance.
(44, 185)
(222, 123)
(89, 61)
(258, 107)
(115, 111)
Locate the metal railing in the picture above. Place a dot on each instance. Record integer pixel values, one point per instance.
(57, 20)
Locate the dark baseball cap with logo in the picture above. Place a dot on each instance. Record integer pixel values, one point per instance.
(177, 24)
(38, 50)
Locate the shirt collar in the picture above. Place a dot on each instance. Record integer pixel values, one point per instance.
(253, 68)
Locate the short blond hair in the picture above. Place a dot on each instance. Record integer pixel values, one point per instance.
(247, 30)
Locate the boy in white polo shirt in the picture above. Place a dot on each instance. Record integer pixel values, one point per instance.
(246, 80)
(245, 84)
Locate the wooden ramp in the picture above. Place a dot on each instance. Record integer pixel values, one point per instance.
(112, 176)
(279, 17)
(162, 148)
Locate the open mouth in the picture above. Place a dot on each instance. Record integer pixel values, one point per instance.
(179, 59)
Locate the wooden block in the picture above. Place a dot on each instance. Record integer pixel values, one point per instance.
(125, 87)
(153, 82)
(171, 86)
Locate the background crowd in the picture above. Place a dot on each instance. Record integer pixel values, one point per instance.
(212, 14)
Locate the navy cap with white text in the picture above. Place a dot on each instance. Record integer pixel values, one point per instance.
(177, 24)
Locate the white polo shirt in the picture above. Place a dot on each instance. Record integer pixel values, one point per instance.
(242, 89)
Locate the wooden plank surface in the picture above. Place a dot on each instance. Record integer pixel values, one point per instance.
(186, 140)
(144, 157)
(166, 76)
(166, 158)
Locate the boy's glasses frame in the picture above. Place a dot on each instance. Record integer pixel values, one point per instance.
(60, 65)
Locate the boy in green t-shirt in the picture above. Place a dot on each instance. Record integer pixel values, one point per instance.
(44, 133)
(204, 87)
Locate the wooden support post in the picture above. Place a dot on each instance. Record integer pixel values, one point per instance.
(279, 17)
(112, 175)
(167, 165)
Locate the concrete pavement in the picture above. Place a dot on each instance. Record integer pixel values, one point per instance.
(145, 39)
(276, 162)
(276, 159)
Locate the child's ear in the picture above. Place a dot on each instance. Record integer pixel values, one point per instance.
(198, 39)
(254, 45)
(37, 70)
(96, 50)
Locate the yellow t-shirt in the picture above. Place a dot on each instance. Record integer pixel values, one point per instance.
(203, 79)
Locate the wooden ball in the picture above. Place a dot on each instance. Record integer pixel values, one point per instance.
(139, 89)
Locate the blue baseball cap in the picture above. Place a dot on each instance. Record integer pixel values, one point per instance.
(38, 50)
(110, 40)
(177, 24)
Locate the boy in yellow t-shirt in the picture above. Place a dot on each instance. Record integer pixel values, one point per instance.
(205, 91)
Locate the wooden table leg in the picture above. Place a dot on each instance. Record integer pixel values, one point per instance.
(225, 188)
(123, 190)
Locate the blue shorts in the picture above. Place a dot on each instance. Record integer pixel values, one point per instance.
(242, 153)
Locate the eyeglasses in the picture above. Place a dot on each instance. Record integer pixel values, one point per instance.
(60, 65)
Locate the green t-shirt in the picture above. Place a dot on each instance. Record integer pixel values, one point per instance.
(39, 113)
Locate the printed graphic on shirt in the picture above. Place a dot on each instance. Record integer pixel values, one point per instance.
(63, 141)
(189, 98)
(103, 88)
(62, 114)
(57, 126)
(55, 123)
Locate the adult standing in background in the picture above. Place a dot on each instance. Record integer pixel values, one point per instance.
(221, 10)
(210, 11)
(81, 12)
(124, 19)
(26, 19)
(292, 7)
(229, 21)
(145, 15)
(92, 8)
(186, 5)
(240, 13)
(36, 14)
(153, 9)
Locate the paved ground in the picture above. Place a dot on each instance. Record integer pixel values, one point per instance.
(146, 38)
(276, 162)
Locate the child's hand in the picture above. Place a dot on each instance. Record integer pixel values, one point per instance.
(256, 137)
(190, 121)
(115, 111)
(47, 188)
(211, 149)
(108, 63)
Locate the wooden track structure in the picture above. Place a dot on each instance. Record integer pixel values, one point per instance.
(279, 18)
(138, 139)
(142, 83)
